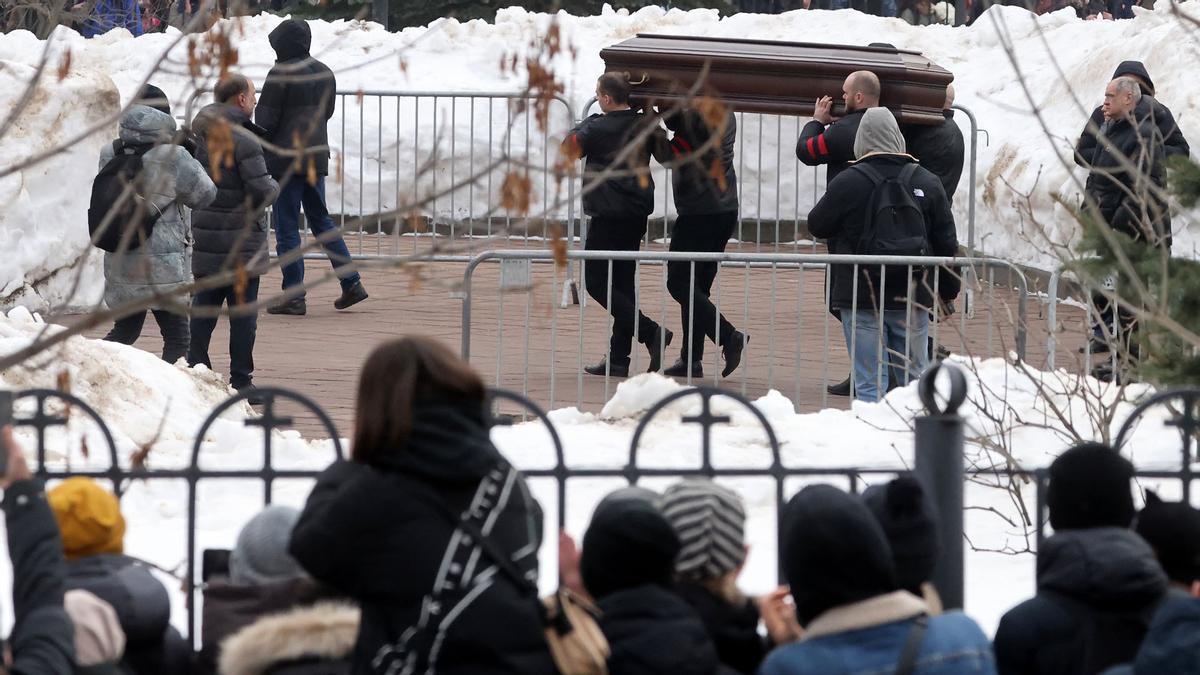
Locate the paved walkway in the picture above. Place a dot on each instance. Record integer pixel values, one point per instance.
(524, 340)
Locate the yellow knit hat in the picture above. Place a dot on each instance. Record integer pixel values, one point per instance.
(89, 518)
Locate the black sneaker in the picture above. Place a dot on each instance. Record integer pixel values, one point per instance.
(253, 396)
(604, 368)
(680, 369)
(293, 307)
(840, 389)
(1096, 345)
(355, 295)
(655, 345)
(732, 350)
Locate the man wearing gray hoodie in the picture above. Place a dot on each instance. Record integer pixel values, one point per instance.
(886, 313)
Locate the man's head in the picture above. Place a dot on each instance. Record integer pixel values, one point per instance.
(1173, 530)
(861, 90)
(710, 520)
(949, 97)
(628, 543)
(1136, 70)
(1121, 96)
(878, 134)
(612, 92)
(1090, 487)
(153, 97)
(910, 523)
(236, 90)
(261, 555)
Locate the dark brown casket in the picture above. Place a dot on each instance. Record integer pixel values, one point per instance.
(776, 77)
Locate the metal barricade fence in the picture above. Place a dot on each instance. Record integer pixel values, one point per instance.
(779, 299)
(1090, 323)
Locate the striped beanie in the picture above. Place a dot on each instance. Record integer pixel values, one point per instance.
(711, 521)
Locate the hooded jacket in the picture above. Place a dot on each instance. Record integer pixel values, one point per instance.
(841, 213)
(367, 533)
(175, 181)
(1099, 574)
(314, 640)
(832, 145)
(1172, 645)
(599, 139)
(1174, 144)
(232, 228)
(296, 102)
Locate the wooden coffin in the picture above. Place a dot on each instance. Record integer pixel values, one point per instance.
(776, 77)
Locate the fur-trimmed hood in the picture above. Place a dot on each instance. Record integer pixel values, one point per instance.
(323, 630)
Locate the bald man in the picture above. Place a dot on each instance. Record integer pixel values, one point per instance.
(939, 147)
(829, 142)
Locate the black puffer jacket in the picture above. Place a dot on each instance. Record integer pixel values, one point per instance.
(697, 192)
(1126, 200)
(296, 101)
(1100, 576)
(599, 139)
(832, 145)
(840, 215)
(232, 228)
(142, 605)
(651, 630)
(940, 148)
(733, 629)
(368, 534)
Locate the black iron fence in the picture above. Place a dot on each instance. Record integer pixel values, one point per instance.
(938, 456)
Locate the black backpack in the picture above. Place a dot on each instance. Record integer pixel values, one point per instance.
(115, 192)
(896, 224)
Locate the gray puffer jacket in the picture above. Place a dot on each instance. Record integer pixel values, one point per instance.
(176, 180)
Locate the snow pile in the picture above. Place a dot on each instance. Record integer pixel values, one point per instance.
(454, 56)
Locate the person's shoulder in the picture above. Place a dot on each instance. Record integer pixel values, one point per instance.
(959, 625)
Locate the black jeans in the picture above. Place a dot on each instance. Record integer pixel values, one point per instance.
(242, 330)
(173, 327)
(605, 234)
(707, 234)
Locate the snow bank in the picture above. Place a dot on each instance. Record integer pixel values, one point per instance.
(1019, 159)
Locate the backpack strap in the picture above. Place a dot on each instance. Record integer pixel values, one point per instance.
(907, 664)
(907, 173)
(870, 172)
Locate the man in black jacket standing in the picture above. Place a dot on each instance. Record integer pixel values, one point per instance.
(230, 232)
(940, 148)
(297, 100)
(887, 320)
(708, 215)
(1174, 144)
(618, 206)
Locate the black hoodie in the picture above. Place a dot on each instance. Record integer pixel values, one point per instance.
(296, 101)
(366, 533)
(1104, 576)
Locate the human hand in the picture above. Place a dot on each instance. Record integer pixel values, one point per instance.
(17, 469)
(568, 565)
(779, 616)
(823, 112)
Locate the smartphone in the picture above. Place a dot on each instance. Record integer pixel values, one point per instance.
(6, 417)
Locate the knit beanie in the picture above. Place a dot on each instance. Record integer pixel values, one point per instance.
(834, 552)
(89, 518)
(1138, 70)
(878, 134)
(98, 635)
(1173, 530)
(1089, 487)
(635, 492)
(910, 524)
(261, 553)
(153, 97)
(710, 520)
(628, 544)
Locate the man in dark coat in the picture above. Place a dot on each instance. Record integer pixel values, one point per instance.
(708, 214)
(1172, 644)
(940, 148)
(618, 207)
(297, 100)
(1098, 584)
(230, 233)
(895, 326)
(42, 641)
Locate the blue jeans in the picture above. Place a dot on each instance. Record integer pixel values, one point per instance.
(294, 194)
(862, 340)
(242, 331)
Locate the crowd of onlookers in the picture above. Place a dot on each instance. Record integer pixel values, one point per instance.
(420, 554)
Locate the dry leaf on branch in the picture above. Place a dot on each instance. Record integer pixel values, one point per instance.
(515, 192)
(416, 222)
(241, 281)
(64, 66)
(714, 113)
(643, 177)
(717, 172)
(558, 245)
(220, 148)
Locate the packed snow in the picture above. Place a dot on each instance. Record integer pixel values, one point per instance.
(379, 141)
(1008, 406)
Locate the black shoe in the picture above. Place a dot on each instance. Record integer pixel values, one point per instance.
(732, 350)
(680, 369)
(655, 346)
(605, 368)
(840, 389)
(1096, 345)
(355, 295)
(1104, 372)
(293, 307)
(253, 396)
(942, 352)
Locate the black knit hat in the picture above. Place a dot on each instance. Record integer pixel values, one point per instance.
(834, 552)
(1138, 70)
(910, 524)
(1090, 487)
(628, 543)
(153, 97)
(1173, 530)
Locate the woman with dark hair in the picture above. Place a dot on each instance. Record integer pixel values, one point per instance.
(414, 526)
